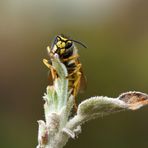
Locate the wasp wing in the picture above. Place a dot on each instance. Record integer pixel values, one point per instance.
(83, 80)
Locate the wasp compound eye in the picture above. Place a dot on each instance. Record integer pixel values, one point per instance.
(68, 44)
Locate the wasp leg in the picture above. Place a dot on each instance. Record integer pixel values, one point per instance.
(48, 49)
(71, 58)
(76, 88)
(50, 52)
(71, 79)
(53, 71)
(75, 71)
(76, 84)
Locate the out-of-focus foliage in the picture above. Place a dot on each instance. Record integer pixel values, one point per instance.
(115, 61)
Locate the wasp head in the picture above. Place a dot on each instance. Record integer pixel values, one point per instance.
(61, 44)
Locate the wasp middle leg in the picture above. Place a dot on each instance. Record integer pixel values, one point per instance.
(75, 71)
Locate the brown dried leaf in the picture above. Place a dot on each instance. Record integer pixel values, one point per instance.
(134, 99)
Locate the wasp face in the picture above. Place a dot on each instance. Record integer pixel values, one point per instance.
(61, 45)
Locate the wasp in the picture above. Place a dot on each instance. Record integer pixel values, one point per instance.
(68, 55)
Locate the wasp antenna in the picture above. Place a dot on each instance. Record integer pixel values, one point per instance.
(79, 43)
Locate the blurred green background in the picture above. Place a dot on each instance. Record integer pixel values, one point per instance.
(116, 60)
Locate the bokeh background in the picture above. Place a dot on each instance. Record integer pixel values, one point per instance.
(116, 60)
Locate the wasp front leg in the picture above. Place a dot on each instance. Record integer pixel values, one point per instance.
(53, 71)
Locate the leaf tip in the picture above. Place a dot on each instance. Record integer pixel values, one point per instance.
(134, 99)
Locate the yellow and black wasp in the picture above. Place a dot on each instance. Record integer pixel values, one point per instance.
(68, 55)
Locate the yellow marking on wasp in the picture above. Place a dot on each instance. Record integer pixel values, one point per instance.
(54, 49)
(48, 49)
(58, 43)
(69, 41)
(64, 39)
(62, 50)
(63, 44)
(58, 38)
